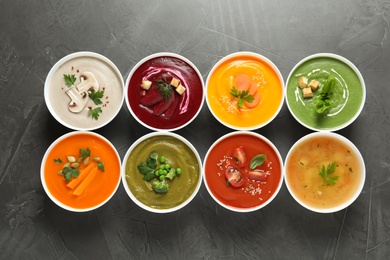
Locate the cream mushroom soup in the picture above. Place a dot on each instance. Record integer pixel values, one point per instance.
(85, 92)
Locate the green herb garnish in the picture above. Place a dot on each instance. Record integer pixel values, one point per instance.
(58, 161)
(241, 95)
(257, 161)
(70, 173)
(95, 113)
(69, 80)
(326, 174)
(96, 96)
(323, 101)
(164, 88)
(101, 166)
(85, 152)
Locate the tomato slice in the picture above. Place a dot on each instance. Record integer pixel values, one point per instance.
(239, 157)
(257, 175)
(235, 178)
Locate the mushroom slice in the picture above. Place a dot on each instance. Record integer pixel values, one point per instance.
(88, 82)
(77, 100)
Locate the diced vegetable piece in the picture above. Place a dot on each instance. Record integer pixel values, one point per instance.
(302, 82)
(180, 89)
(175, 82)
(307, 93)
(83, 173)
(86, 182)
(146, 84)
(314, 84)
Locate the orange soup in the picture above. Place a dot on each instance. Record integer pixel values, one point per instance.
(102, 167)
(240, 73)
(323, 173)
(248, 193)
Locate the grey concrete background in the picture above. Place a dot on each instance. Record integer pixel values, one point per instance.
(36, 34)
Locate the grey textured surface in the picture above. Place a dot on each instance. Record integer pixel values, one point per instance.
(36, 34)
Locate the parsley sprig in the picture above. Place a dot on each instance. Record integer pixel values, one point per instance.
(147, 168)
(96, 96)
(69, 80)
(323, 102)
(327, 174)
(95, 113)
(242, 96)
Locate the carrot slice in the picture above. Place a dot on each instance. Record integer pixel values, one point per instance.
(242, 82)
(83, 173)
(253, 88)
(85, 183)
(255, 102)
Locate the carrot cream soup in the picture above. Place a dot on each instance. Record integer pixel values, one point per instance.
(81, 171)
(243, 172)
(245, 91)
(323, 172)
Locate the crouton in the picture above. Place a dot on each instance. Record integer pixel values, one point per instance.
(180, 89)
(302, 82)
(146, 84)
(307, 93)
(175, 82)
(314, 84)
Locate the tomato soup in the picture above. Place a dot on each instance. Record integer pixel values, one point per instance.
(252, 194)
(100, 188)
(266, 88)
(324, 172)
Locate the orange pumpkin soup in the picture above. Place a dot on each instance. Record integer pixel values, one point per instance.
(323, 173)
(98, 175)
(244, 91)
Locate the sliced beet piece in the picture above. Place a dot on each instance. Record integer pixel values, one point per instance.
(163, 105)
(169, 112)
(152, 97)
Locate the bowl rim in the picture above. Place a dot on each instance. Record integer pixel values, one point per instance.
(342, 139)
(58, 64)
(123, 172)
(44, 160)
(266, 60)
(156, 55)
(348, 63)
(266, 140)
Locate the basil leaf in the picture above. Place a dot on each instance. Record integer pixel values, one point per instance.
(257, 161)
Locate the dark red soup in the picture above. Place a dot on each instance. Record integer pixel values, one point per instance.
(181, 108)
(230, 177)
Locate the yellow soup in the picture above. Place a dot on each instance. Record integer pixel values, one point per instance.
(311, 177)
(264, 84)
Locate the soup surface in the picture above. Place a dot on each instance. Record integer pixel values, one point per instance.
(187, 104)
(177, 154)
(252, 193)
(264, 81)
(110, 85)
(103, 184)
(346, 98)
(309, 158)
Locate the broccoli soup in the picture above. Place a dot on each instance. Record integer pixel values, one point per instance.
(324, 172)
(161, 171)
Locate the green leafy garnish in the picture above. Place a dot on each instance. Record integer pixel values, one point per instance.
(57, 160)
(101, 166)
(69, 80)
(164, 88)
(326, 174)
(242, 96)
(70, 173)
(96, 96)
(85, 152)
(257, 161)
(95, 113)
(323, 101)
(147, 168)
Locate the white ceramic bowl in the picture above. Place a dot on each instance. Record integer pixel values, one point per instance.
(102, 187)
(57, 93)
(152, 68)
(270, 85)
(317, 199)
(350, 92)
(252, 195)
(182, 152)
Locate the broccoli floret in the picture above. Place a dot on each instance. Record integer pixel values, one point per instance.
(171, 174)
(160, 186)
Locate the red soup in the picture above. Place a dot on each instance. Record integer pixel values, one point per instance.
(243, 171)
(164, 69)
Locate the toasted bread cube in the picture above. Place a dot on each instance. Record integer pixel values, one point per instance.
(302, 82)
(314, 84)
(307, 93)
(180, 89)
(175, 82)
(146, 84)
